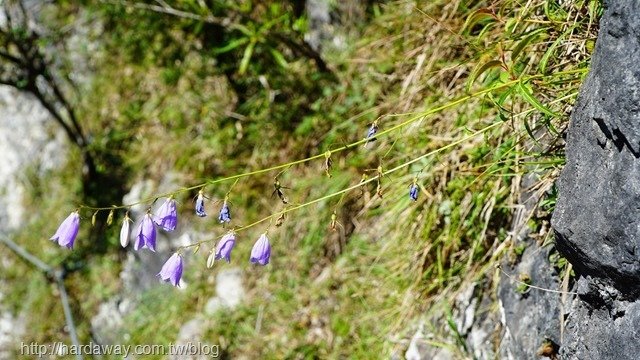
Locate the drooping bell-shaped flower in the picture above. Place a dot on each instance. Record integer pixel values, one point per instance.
(261, 251)
(224, 247)
(225, 214)
(124, 231)
(145, 234)
(167, 217)
(67, 231)
(413, 192)
(200, 205)
(172, 270)
(371, 134)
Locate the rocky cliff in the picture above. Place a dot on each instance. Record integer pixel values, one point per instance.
(596, 219)
(596, 224)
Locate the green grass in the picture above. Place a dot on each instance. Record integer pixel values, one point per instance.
(324, 296)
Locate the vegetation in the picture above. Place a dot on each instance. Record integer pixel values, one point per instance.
(470, 97)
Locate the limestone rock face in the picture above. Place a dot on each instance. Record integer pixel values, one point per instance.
(597, 217)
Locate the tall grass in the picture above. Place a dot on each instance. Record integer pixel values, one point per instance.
(356, 290)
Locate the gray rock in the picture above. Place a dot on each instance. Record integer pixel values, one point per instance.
(139, 191)
(596, 218)
(530, 317)
(318, 12)
(465, 312)
(191, 344)
(330, 21)
(229, 294)
(229, 287)
(481, 336)
(26, 140)
(107, 325)
(609, 330)
(420, 349)
(475, 321)
(12, 329)
(229, 291)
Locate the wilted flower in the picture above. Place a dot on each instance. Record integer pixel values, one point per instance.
(200, 205)
(225, 245)
(211, 258)
(261, 251)
(68, 230)
(328, 163)
(124, 231)
(334, 221)
(146, 234)
(225, 214)
(413, 192)
(167, 217)
(172, 270)
(110, 217)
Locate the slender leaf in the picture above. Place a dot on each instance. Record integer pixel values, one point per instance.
(533, 101)
(231, 45)
(526, 41)
(547, 55)
(279, 58)
(246, 57)
(482, 15)
(480, 69)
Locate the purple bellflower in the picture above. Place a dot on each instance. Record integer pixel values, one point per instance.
(200, 205)
(225, 214)
(172, 270)
(67, 231)
(146, 234)
(413, 192)
(261, 251)
(167, 217)
(225, 245)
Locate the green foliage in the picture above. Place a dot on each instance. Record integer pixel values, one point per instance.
(232, 88)
(523, 285)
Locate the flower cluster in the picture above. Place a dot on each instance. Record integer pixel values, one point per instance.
(166, 218)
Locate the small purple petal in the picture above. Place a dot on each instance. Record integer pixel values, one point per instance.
(413, 192)
(146, 234)
(261, 251)
(172, 270)
(372, 131)
(167, 217)
(225, 213)
(67, 231)
(200, 205)
(224, 247)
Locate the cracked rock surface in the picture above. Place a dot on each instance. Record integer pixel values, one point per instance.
(597, 217)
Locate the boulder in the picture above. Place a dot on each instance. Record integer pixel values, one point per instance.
(597, 217)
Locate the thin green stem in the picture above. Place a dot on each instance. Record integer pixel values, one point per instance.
(344, 147)
(374, 178)
(359, 184)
